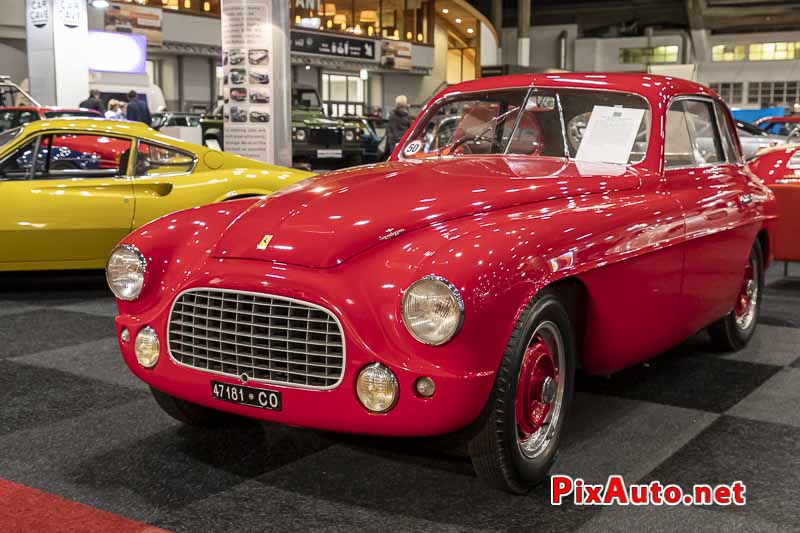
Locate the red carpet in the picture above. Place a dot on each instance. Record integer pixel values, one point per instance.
(26, 509)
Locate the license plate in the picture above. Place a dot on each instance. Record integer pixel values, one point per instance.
(265, 399)
(330, 153)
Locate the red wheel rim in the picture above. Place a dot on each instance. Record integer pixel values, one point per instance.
(536, 388)
(747, 300)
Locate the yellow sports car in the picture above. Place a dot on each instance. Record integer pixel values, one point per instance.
(70, 189)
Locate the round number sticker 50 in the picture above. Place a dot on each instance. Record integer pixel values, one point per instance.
(412, 148)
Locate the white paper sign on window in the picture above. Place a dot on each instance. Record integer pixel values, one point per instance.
(609, 135)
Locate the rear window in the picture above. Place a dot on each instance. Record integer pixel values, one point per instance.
(67, 114)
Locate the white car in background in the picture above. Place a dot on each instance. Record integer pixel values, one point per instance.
(754, 139)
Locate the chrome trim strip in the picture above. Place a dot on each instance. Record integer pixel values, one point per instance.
(253, 379)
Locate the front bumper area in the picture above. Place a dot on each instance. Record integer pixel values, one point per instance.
(459, 397)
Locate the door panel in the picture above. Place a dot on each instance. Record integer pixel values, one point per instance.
(77, 211)
(163, 182)
(711, 188)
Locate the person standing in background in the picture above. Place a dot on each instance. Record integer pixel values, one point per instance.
(93, 102)
(399, 122)
(114, 110)
(137, 109)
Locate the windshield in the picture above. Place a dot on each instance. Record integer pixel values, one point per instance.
(543, 122)
(8, 135)
(305, 98)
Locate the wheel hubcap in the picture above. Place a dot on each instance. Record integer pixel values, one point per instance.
(747, 302)
(540, 390)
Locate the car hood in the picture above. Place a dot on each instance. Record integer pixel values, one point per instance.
(326, 220)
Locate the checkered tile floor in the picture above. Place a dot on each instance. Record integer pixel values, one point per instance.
(74, 422)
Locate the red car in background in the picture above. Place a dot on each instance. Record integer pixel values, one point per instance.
(525, 225)
(11, 117)
(107, 152)
(786, 126)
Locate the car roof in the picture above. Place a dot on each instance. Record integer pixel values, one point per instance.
(109, 127)
(46, 108)
(793, 118)
(651, 86)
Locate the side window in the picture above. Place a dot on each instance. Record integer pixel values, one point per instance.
(17, 166)
(96, 155)
(678, 151)
(692, 138)
(27, 116)
(156, 160)
(7, 120)
(732, 154)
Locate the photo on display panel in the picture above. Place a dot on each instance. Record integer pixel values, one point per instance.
(259, 76)
(259, 96)
(238, 94)
(259, 114)
(238, 114)
(258, 56)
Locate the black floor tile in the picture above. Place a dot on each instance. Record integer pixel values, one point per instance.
(764, 456)
(173, 468)
(32, 396)
(46, 329)
(693, 381)
(416, 485)
(51, 288)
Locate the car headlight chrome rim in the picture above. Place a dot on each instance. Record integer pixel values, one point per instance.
(300, 134)
(125, 271)
(349, 135)
(432, 310)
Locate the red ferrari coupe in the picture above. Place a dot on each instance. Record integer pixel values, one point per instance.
(525, 226)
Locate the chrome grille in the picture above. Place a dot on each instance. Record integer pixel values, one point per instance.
(267, 338)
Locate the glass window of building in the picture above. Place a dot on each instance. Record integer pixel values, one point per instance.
(774, 51)
(343, 94)
(195, 7)
(649, 54)
(728, 52)
(406, 20)
(731, 92)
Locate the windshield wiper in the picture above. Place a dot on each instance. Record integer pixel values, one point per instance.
(482, 135)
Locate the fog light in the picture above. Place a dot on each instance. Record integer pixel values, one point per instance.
(376, 388)
(425, 387)
(147, 347)
(125, 335)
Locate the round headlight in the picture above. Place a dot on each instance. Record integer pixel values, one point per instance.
(376, 388)
(147, 347)
(432, 310)
(300, 135)
(349, 135)
(125, 272)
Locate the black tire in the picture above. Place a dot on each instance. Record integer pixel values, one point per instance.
(496, 454)
(729, 333)
(192, 414)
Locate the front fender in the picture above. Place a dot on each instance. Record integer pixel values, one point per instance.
(178, 243)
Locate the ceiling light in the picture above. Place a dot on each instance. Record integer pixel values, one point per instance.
(100, 4)
(470, 30)
(445, 11)
(458, 21)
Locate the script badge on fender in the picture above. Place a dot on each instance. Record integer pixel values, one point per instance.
(264, 242)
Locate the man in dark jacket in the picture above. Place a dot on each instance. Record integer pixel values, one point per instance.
(137, 109)
(94, 102)
(399, 122)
